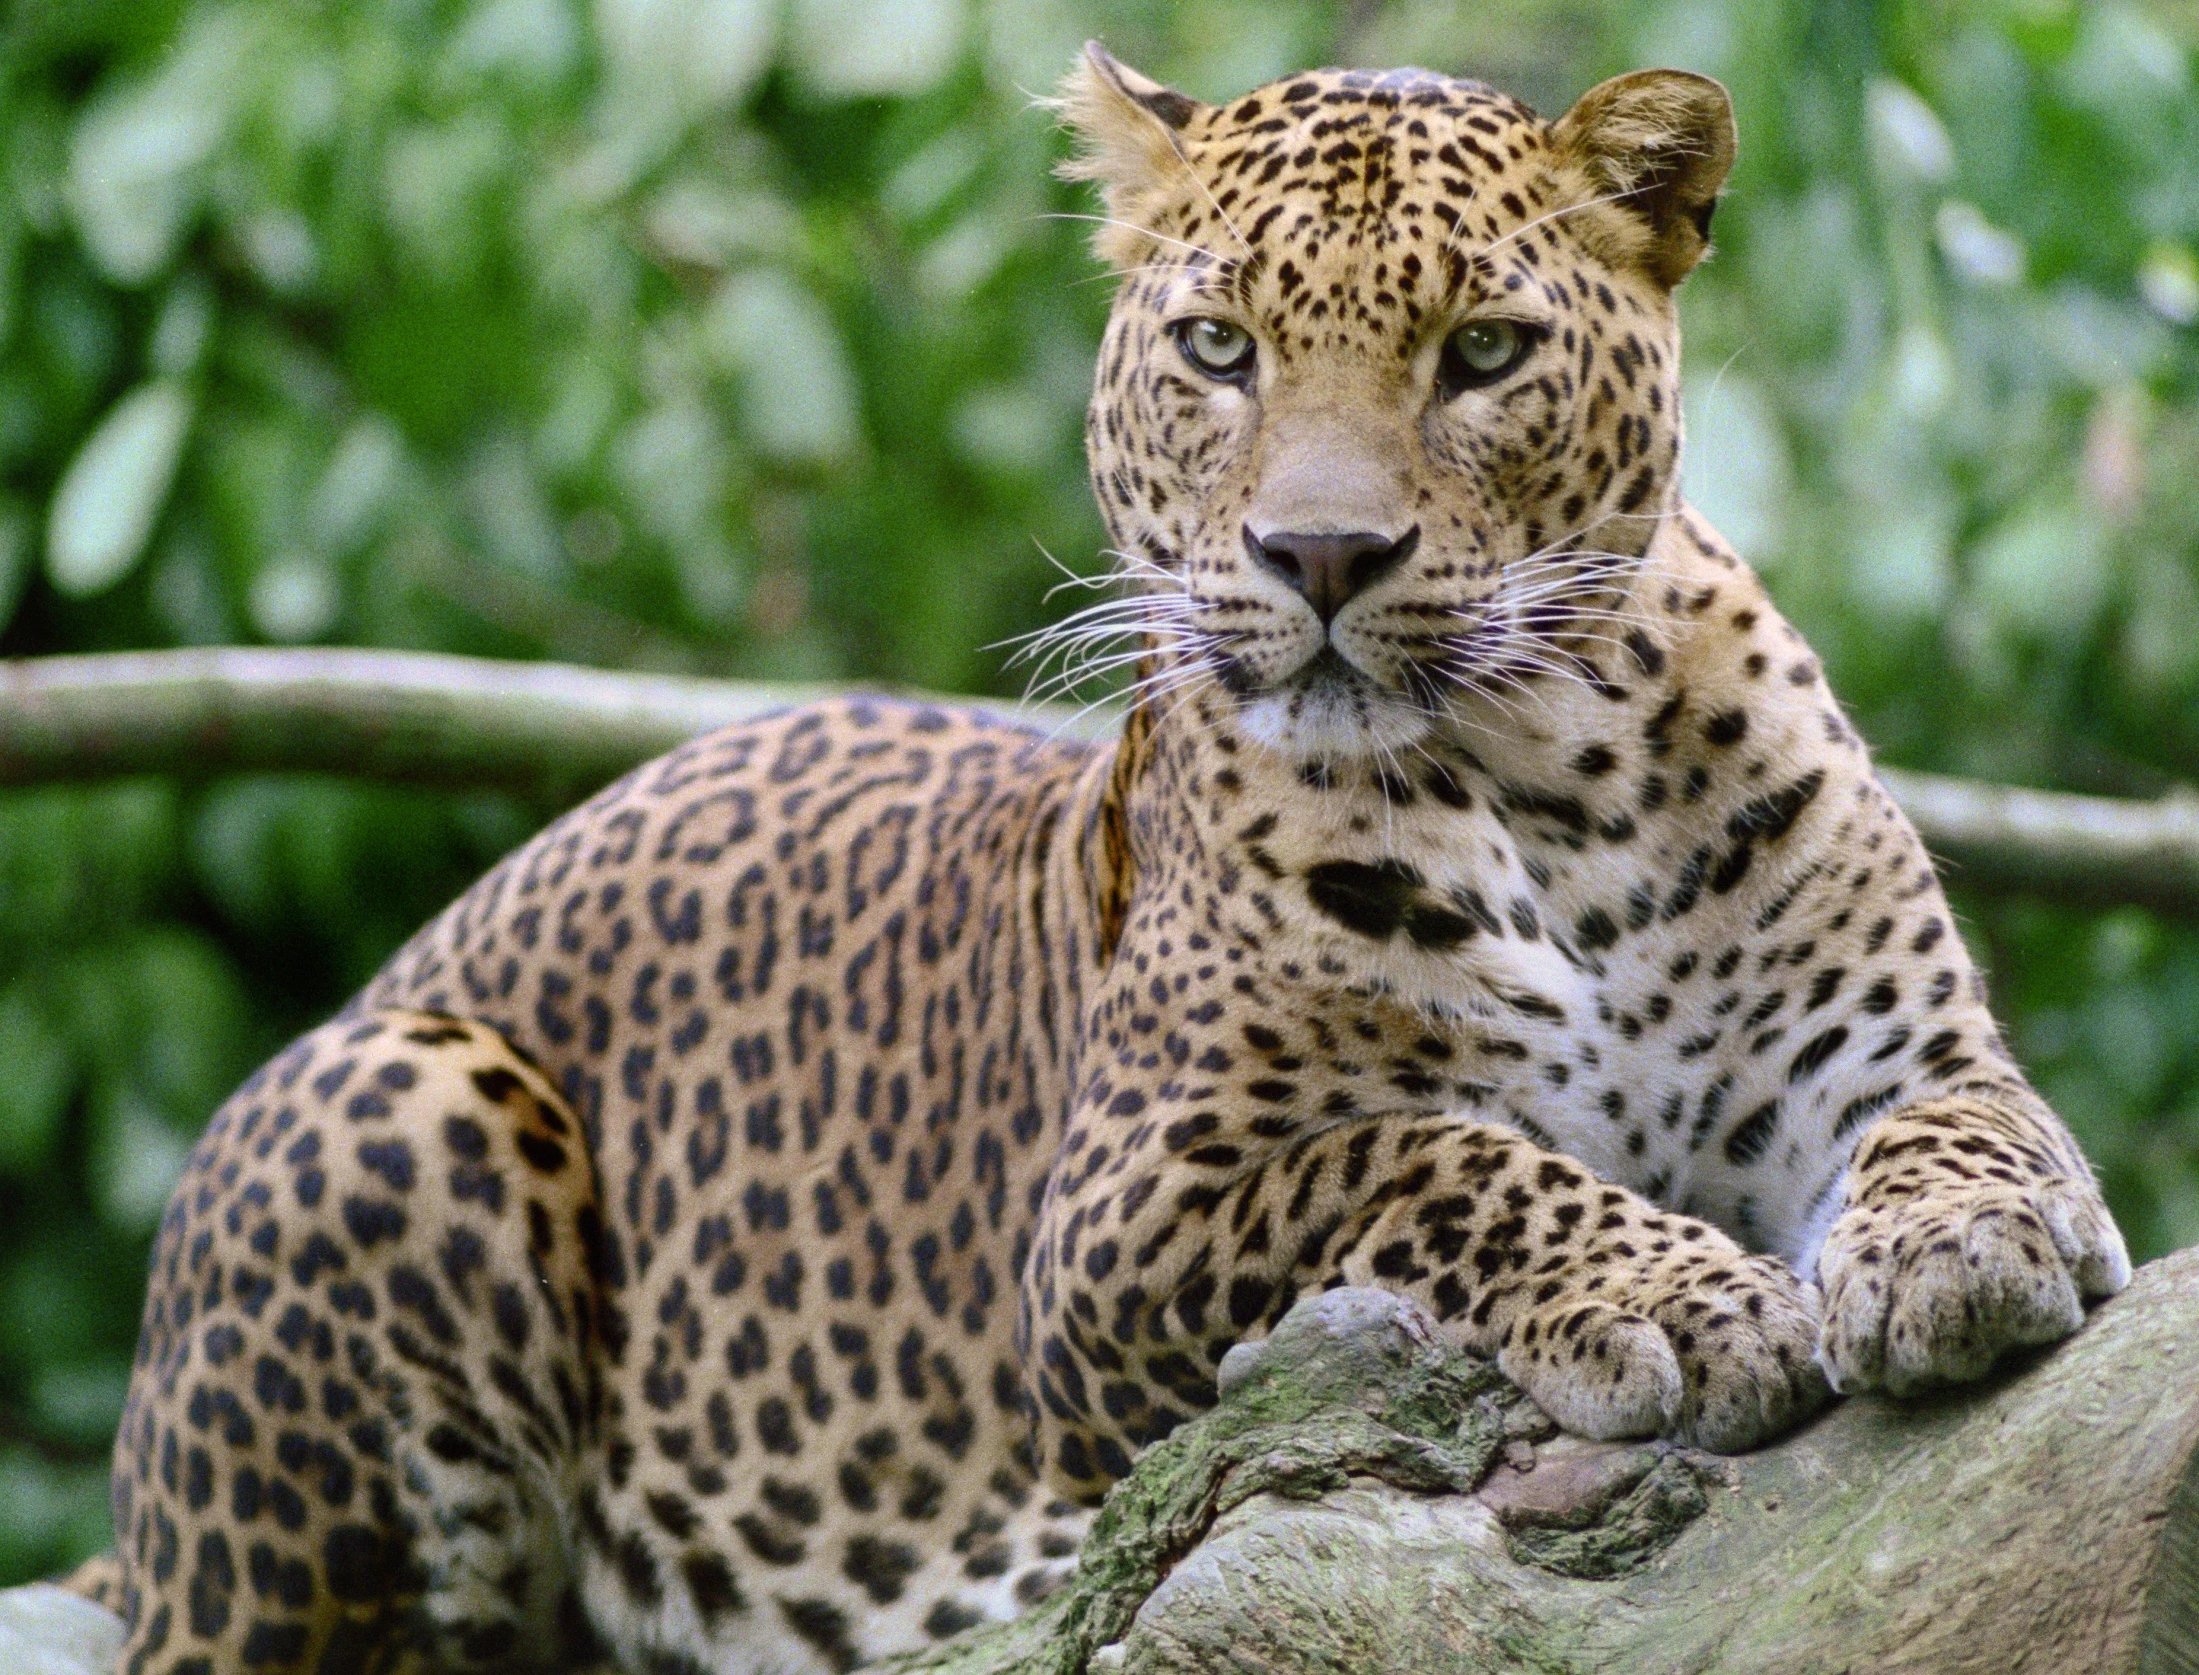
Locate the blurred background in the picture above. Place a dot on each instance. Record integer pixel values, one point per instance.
(744, 337)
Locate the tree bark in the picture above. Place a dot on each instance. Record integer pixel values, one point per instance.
(553, 733)
(2046, 1523)
(1366, 1500)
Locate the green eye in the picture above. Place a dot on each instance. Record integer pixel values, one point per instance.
(1215, 347)
(1487, 346)
(1480, 352)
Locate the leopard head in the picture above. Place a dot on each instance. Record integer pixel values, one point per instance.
(1387, 411)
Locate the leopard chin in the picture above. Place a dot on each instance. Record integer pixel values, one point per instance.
(1330, 712)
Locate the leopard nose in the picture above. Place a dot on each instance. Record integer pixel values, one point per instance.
(1330, 569)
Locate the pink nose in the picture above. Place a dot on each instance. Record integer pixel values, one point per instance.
(1330, 570)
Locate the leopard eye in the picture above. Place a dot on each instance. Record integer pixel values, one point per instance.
(1479, 353)
(1216, 348)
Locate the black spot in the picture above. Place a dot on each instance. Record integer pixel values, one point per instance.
(541, 1151)
(213, 1581)
(825, 1626)
(357, 1566)
(198, 1478)
(1368, 897)
(1596, 930)
(1727, 727)
(371, 1220)
(775, 1427)
(390, 1159)
(273, 1643)
(637, 1570)
(1752, 1134)
(882, 1568)
(1814, 1054)
(411, 1290)
(319, 1256)
(1732, 867)
(508, 1307)
(711, 1586)
(672, 1513)
(1438, 928)
(1595, 761)
(496, 1084)
(1569, 812)
(1248, 1298)
(1769, 816)
(768, 1542)
(792, 1500)
(949, 1618)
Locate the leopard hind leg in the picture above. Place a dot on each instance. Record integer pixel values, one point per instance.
(367, 1369)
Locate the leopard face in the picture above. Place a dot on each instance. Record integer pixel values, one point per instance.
(1389, 399)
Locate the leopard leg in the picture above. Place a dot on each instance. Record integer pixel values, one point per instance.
(1971, 1226)
(1619, 1318)
(365, 1368)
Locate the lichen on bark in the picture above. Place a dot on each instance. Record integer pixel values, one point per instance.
(1350, 1383)
(1597, 1542)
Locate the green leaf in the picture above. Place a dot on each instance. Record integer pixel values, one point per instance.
(186, 322)
(853, 48)
(137, 1160)
(75, 861)
(80, 1402)
(15, 557)
(159, 1019)
(797, 388)
(37, 1076)
(295, 597)
(2042, 571)
(1737, 471)
(672, 462)
(104, 510)
(356, 486)
(703, 53)
(50, 1514)
(137, 160)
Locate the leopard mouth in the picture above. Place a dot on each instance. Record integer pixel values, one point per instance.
(1329, 707)
(1328, 674)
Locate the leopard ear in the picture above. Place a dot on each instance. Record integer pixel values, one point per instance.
(1127, 129)
(1659, 142)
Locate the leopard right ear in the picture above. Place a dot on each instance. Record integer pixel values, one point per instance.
(1127, 129)
(1659, 143)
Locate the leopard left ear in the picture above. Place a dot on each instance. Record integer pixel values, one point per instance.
(1660, 143)
(1126, 126)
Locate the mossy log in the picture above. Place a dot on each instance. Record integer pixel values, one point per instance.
(1365, 1499)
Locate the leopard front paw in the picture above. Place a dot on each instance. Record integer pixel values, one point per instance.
(1933, 1289)
(1716, 1354)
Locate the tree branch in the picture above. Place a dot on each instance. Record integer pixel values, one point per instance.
(2047, 1522)
(553, 733)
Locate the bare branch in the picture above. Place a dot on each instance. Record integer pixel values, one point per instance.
(553, 732)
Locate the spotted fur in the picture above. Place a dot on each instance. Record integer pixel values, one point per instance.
(739, 1233)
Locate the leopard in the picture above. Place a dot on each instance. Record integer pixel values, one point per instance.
(752, 1227)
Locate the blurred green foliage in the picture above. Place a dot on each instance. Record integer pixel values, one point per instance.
(751, 336)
